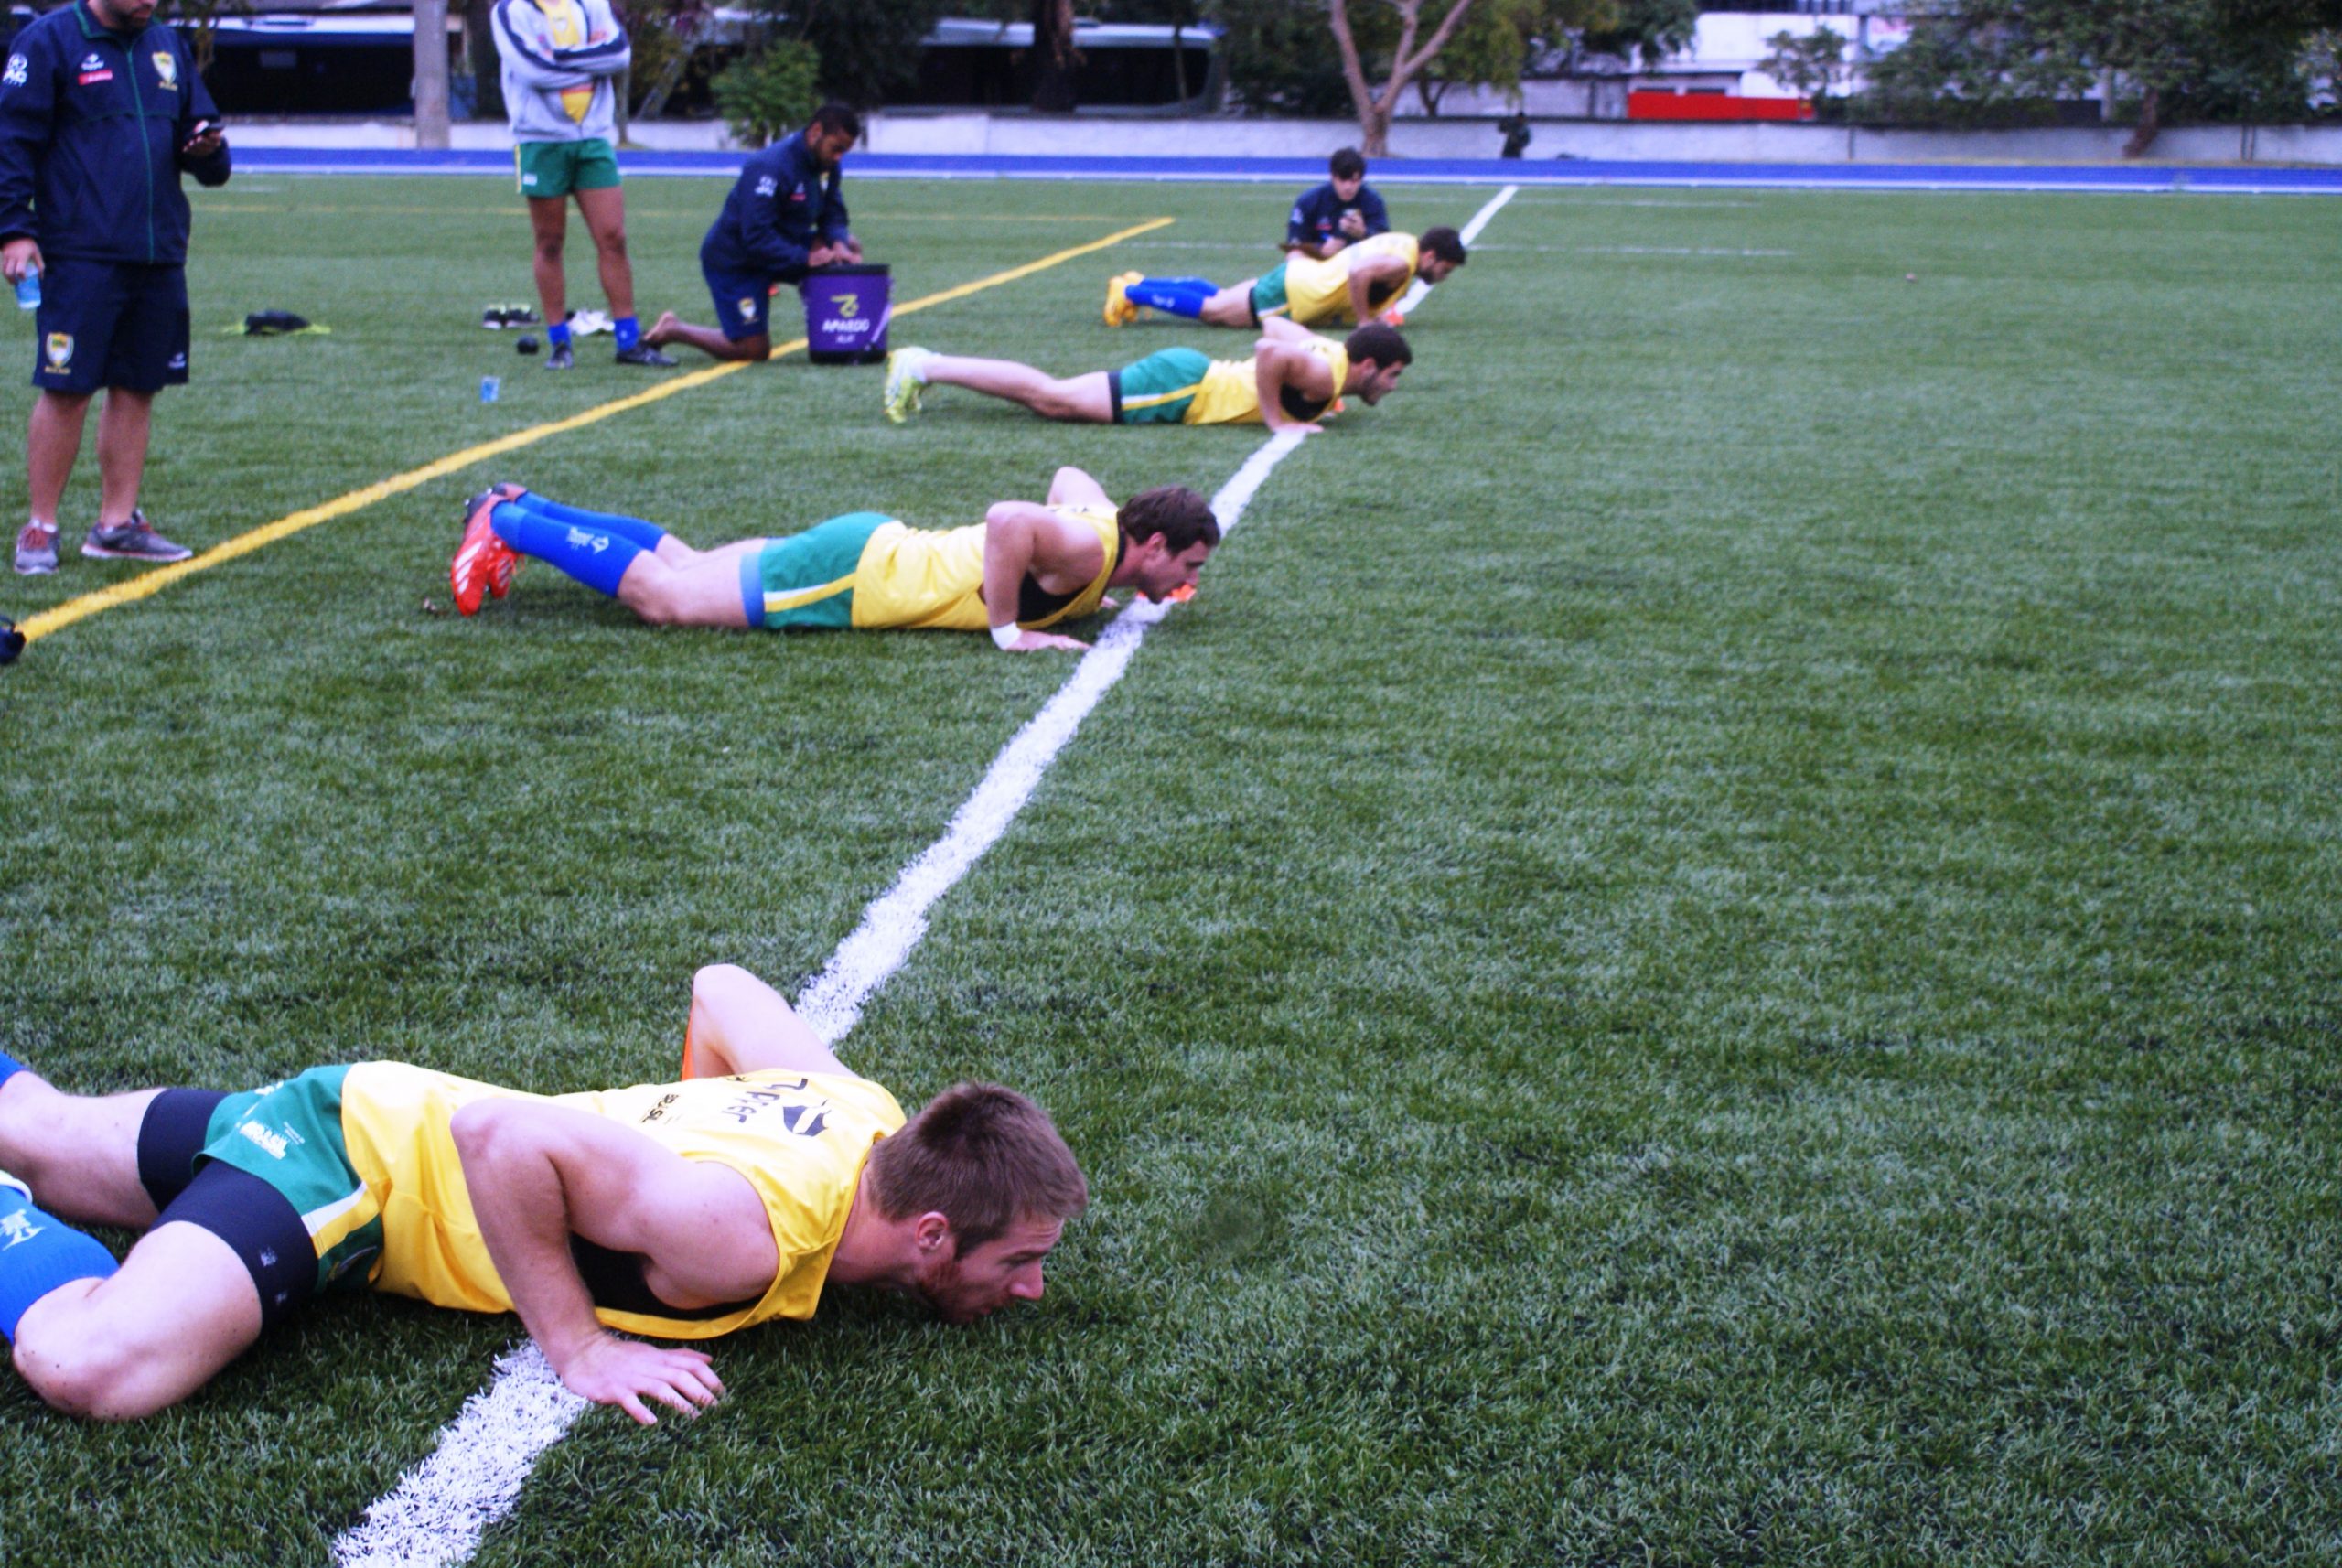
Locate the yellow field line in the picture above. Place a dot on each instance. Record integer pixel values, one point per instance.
(147, 583)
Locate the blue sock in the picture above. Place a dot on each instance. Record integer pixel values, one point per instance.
(558, 334)
(647, 534)
(9, 1067)
(628, 329)
(595, 557)
(39, 1253)
(1181, 297)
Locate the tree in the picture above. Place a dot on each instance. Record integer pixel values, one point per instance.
(1807, 64)
(1985, 59)
(868, 49)
(431, 73)
(1053, 58)
(1407, 57)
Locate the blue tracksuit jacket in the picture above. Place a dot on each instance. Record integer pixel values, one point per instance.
(778, 209)
(91, 126)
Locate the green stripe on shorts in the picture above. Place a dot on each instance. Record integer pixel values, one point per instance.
(557, 168)
(289, 1135)
(1158, 389)
(1268, 293)
(808, 578)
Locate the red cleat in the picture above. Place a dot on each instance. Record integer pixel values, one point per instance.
(483, 562)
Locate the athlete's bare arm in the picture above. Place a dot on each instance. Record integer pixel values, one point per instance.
(739, 1024)
(1284, 329)
(1022, 538)
(537, 1173)
(1278, 365)
(1365, 271)
(1071, 486)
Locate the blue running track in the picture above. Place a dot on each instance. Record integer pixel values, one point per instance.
(2232, 180)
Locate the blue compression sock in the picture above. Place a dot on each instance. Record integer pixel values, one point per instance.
(1181, 297)
(39, 1253)
(558, 334)
(647, 534)
(629, 332)
(595, 557)
(9, 1067)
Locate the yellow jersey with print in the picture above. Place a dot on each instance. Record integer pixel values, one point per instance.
(1230, 394)
(919, 579)
(1320, 291)
(565, 27)
(798, 1138)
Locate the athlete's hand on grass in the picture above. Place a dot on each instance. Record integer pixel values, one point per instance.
(1035, 642)
(624, 1373)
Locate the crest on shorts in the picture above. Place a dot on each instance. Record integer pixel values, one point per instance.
(167, 68)
(58, 349)
(747, 307)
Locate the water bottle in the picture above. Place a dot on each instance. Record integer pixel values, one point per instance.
(488, 388)
(28, 291)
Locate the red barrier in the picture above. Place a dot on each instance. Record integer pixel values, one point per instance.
(1714, 106)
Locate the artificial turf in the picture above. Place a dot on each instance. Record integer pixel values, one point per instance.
(1713, 942)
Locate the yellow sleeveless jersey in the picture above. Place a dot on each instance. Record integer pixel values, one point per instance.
(1320, 291)
(917, 579)
(799, 1139)
(1230, 392)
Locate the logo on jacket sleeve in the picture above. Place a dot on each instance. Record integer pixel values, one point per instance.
(59, 350)
(766, 186)
(20, 71)
(167, 68)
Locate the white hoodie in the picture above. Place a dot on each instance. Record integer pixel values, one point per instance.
(561, 59)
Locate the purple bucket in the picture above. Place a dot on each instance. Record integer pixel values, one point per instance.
(846, 308)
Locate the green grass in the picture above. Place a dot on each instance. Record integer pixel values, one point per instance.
(1715, 942)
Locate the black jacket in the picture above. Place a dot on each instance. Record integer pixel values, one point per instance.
(91, 123)
(779, 209)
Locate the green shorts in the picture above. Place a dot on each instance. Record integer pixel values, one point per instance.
(1268, 293)
(1157, 389)
(807, 579)
(557, 168)
(289, 1135)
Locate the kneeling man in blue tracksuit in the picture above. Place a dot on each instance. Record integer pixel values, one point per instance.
(785, 217)
(100, 109)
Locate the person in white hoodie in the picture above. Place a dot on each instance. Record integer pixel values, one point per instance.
(562, 60)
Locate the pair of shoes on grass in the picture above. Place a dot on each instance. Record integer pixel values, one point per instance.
(134, 540)
(564, 358)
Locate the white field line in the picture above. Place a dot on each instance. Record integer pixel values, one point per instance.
(440, 1508)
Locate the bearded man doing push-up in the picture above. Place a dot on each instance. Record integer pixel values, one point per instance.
(1027, 566)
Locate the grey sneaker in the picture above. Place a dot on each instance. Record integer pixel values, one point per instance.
(563, 358)
(134, 540)
(35, 550)
(644, 354)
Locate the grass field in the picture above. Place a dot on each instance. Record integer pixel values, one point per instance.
(1715, 940)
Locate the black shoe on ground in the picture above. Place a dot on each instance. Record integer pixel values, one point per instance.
(644, 354)
(560, 359)
(134, 540)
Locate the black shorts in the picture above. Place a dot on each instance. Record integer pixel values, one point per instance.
(256, 1221)
(110, 324)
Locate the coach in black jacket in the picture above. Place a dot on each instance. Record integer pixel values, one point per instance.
(785, 217)
(100, 109)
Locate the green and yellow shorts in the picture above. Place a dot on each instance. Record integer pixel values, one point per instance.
(1159, 389)
(807, 579)
(268, 1171)
(1268, 295)
(557, 168)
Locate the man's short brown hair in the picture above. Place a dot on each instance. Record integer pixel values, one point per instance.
(1348, 164)
(1443, 243)
(1174, 511)
(1379, 343)
(982, 1156)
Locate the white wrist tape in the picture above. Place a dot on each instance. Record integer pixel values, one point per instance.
(1006, 636)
